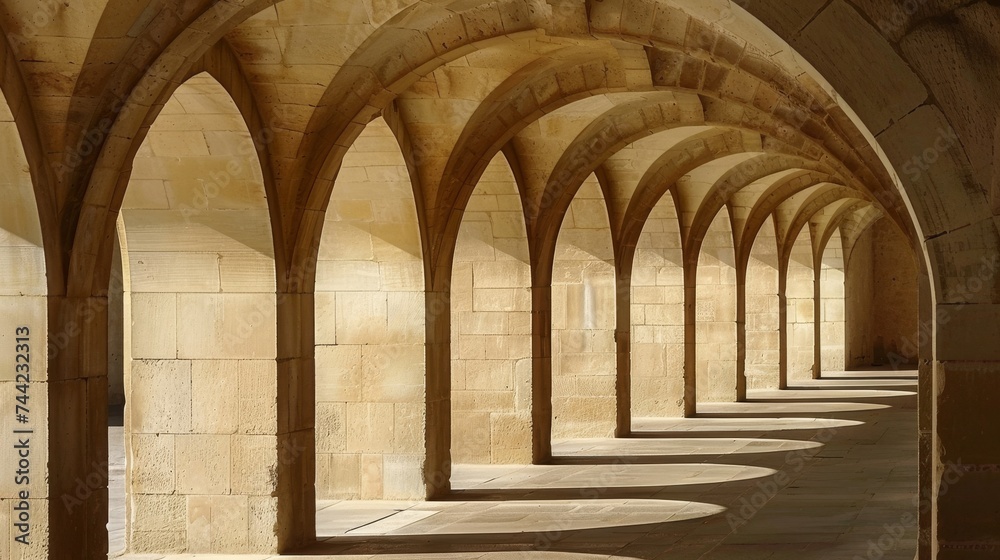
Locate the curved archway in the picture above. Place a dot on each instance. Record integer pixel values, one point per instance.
(715, 316)
(763, 352)
(952, 227)
(833, 344)
(491, 326)
(201, 420)
(370, 321)
(657, 299)
(584, 353)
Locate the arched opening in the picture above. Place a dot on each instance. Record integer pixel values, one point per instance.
(491, 326)
(584, 354)
(801, 313)
(833, 344)
(716, 313)
(201, 373)
(657, 297)
(718, 78)
(370, 317)
(882, 324)
(763, 316)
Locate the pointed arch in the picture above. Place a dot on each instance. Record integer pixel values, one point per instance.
(657, 299)
(370, 319)
(491, 326)
(833, 344)
(762, 314)
(202, 422)
(715, 312)
(584, 354)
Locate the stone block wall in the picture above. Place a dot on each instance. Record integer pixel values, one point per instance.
(657, 296)
(716, 314)
(881, 314)
(370, 318)
(859, 288)
(896, 322)
(23, 303)
(832, 328)
(583, 321)
(201, 402)
(491, 326)
(762, 313)
(801, 311)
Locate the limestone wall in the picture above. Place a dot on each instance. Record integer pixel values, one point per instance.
(894, 272)
(801, 311)
(657, 295)
(491, 326)
(201, 381)
(370, 330)
(23, 305)
(859, 289)
(763, 317)
(716, 314)
(882, 311)
(583, 321)
(832, 328)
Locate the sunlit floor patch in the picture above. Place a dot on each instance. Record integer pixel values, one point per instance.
(756, 406)
(620, 475)
(858, 382)
(677, 446)
(817, 392)
(550, 517)
(873, 373)
(749, 425)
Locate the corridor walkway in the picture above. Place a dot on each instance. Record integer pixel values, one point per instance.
(825, 470)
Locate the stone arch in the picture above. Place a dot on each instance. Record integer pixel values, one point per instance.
(798, 270)
(491, 326)
(763, 325)
(715, 312)
(833, 343)
(657, 318)
(953, 229)
(370, 320)
(584, 321)
(197, 238)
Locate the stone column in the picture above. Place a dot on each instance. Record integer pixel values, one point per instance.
(541, 362)
(783, 323)
(925, 418)
(296, 398)
(77, 431)
(690, 337)
(965, 476)
(437, 459)
(817, 369)
(741, 335)
(623, 341)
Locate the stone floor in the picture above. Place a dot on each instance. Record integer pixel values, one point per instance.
(826, 470)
